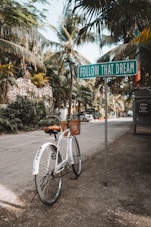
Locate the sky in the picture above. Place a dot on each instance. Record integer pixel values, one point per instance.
(91, 51)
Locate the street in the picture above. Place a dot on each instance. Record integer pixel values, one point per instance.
(17, 152)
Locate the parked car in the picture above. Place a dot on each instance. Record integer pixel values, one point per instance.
(123, 114)
(129, 113)
(93, 112)
(86, 117)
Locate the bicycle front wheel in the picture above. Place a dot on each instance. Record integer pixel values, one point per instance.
(76, 157)
(48, 186)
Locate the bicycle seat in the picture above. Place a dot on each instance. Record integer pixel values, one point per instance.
(52, 129)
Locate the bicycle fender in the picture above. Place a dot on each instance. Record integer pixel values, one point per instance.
(37, 158)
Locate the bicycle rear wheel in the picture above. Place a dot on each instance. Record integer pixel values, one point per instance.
(76, 157)
(48, 186)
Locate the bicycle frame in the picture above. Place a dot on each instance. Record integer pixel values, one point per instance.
(53, 160)
(69, 155)
(68, 158)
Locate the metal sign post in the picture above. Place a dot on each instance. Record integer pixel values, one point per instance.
(106, 136)
(107, 69)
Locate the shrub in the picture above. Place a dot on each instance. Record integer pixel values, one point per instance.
(24, 109)
(23, 114)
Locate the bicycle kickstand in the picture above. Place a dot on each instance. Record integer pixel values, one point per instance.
(34, 196)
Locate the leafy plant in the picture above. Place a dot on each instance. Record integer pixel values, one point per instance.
(6, 79)
(8, 123)
(39, 79)
(24, 109)
(23, 114)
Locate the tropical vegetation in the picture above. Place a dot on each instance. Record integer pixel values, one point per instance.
(62, 63)
(26, 53)
(23, 114)
(128, 23)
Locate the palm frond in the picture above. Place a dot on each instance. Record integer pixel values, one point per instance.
(144, 37)
(121, 52)
(80, 58)
(20, 52)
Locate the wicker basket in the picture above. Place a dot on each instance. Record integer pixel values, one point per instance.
(74, 126)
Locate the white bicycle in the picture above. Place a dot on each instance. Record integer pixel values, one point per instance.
(53, 160)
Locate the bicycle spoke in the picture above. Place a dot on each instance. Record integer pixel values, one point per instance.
(76, 157)
(48, 186)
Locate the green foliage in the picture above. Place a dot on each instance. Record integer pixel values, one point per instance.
(6, 79)
(8, 122)
(23, 109)
(20, 40)
(23, 114)
(39, 79)
(40, 110)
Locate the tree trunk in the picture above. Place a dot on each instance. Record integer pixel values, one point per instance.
(70, 93)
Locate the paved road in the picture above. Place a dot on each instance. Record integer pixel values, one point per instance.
(92, 138)
(17, 152)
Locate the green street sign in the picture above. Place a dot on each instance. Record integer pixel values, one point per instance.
(115, 68)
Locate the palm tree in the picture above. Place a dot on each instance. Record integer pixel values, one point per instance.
(128, 22)
(82, 95)
(19, 37)
(130, 50)
(68, 37)
(124, 20)
(19, 42)
(57, 78)
(120, 17)
(116, 103)
(10, 50)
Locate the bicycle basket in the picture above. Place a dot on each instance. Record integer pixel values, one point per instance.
(74, 126)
